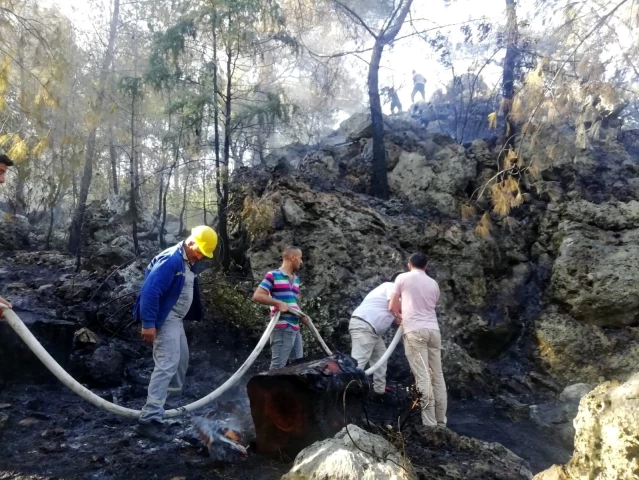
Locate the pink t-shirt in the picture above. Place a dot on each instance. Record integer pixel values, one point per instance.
(419, 295)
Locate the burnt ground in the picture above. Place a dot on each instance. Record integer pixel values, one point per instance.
(51, 433)
(48, 432)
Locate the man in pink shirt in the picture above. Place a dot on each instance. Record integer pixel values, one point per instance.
(422, 341)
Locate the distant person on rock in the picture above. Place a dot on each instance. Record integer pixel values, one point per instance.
(393, 98)
(280, 290)
(418, 86)
(422, 340)
(369, 322)
(5, 163)
(169, 295)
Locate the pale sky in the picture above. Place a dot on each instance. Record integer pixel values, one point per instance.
(397, 62)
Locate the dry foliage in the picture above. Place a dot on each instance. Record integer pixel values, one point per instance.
(468, 211)
(484, 227)
(257, 217)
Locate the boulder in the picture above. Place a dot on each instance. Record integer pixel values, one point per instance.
(556, 417)
(441, 454)
(110, 256)
(578, 352)
(357, 126)
(104, 367)
(352, 454)
(433, 176)
(74, 288)
(596, 274)
(574, 393)
(607, 438)
(14, 233)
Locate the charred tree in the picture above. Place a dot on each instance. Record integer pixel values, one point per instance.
(87, 176)
(508, 76)
(222, 173)
(391, 27)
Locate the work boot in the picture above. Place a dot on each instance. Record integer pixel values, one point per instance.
(153, 431)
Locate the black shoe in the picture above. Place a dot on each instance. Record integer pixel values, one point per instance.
(153, 431)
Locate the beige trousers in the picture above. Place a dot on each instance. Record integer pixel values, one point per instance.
(424, 353)
(368, 347)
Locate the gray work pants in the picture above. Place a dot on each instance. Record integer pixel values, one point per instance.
(424, 353)
(368, 348)
(285, 343)
(171, 357)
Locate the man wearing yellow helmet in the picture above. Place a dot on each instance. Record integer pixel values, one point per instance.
(169, 295)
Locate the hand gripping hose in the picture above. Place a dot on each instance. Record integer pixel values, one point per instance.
(391, 348)
(55, 368)
(316, 333)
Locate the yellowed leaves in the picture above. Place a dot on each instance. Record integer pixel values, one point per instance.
(44, 98)
(492, 120)
(257, 216)
(484, 226)
(40, 147)
(19, 149)
(5, 72)
(468, 211)
(505, 195)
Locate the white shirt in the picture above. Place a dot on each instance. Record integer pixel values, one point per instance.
(419, 295)
(374, 308)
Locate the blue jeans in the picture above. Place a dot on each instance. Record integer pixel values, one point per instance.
(285, 343)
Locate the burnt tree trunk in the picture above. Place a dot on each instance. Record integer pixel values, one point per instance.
(184, 192)
(508, 77)
(133, 207)
(87, 176)
(223, 173)
(379, 179)
(114, 164)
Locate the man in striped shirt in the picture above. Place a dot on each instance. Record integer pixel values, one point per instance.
(280, 290)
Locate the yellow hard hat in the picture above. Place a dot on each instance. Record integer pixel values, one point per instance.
(206, 239)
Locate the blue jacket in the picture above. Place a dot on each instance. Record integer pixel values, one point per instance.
(163, 283)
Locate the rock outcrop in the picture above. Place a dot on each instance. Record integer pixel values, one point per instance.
(352, 454)
(553, 283)
(441, 454)
(607, 438)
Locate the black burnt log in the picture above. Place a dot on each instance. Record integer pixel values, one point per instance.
(295, 406)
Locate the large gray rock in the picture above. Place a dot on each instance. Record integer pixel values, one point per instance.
(606, 442)
(597, 274)
(433, 180)
(14, 233)
(102, 368)
(110, 256)
(441, 454)
(578, 352)
(343, 457)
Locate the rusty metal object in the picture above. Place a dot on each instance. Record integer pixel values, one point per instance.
(293, 407)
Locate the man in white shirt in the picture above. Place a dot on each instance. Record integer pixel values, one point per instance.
(369, 322)
(419, 81)
(422, 340)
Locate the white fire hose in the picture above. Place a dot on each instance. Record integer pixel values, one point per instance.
(391, 348)
(388, 352)
(70, 382)
(54, 367)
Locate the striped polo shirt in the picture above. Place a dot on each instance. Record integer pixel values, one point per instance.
(277, 283)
